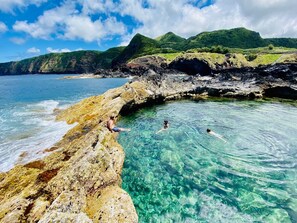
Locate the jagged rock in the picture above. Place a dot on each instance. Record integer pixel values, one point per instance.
(150, 62)
(111, 205)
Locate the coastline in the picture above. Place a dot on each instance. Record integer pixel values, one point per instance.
(99, 76)
(81, 76)
(80, 181)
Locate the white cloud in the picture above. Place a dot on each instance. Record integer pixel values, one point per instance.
(66, 22)
(269, 17)
(48, 24)
(3, 27)
(273, 18)
(95, 20)
(64, 50)
(17, 40)
(96, 6)
(33, 50)
(82, 27)
(51, 50)
(9, 5)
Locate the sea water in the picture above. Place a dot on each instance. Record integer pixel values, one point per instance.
(27, 112)
(184, 174)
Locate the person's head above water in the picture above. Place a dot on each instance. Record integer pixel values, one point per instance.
(166, 124)
(208, 130)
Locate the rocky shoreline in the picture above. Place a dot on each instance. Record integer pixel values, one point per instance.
(80, 179)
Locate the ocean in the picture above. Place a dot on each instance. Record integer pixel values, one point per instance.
(27, 112)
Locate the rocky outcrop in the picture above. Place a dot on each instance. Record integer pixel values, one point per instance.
(191, 66)
(287, 92)
(150, 62)
(80, 180)
(266, 81)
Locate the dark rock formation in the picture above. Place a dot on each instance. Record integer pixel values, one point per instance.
(281, 92)
(274, 73)
(151, 62)
(191, 66)
(267, 81)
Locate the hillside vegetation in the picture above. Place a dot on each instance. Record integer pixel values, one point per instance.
(236, 41)
(139, 46)
(72, 62)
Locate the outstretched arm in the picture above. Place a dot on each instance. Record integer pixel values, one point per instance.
(219, 136)
(124, 130)
(160, 131)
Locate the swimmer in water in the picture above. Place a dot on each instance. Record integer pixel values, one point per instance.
(215, 135)
(165, 126)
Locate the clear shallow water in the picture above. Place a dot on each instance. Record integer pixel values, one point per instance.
(27, 118)
(186, 175)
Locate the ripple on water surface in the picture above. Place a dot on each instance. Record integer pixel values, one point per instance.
(184, 174)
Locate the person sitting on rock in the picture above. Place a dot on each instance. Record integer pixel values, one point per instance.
(165, 126)
(112, 127)
(215, 134)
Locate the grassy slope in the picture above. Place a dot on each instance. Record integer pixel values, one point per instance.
(140, 46)
(171, 40)
(236, 59)
(239, 40)
(285, 42)
(235, 41)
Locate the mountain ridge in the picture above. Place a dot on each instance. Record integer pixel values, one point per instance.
(140, 45)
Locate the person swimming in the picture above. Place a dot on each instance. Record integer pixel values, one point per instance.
(215, 135)
(165, 126)
(113, 128)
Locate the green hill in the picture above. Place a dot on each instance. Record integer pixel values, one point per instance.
(171, 40)
(72, 62)
(282, 42)
(216, 41)
(238, 40)
(233, 38)
(139, 46)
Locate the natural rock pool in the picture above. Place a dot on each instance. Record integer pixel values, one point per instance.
(184, 174)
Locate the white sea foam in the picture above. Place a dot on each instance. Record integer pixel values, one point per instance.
(33, 129)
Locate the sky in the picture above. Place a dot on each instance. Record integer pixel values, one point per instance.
(30, 28)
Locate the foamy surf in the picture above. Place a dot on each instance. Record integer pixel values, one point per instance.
(28, 105)
(33, 129)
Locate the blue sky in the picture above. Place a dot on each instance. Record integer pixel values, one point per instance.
(33, 27)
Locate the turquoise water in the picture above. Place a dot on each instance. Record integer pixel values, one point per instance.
(27, 117)
(184, 174)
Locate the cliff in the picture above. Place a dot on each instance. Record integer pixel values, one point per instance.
(62, 63)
